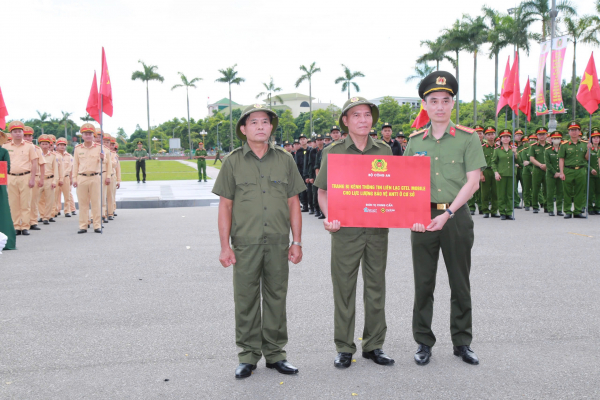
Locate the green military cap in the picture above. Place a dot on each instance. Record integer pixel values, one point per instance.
(489, 129)
(438, 81)
(400, 134)
(386, 125)
(319, 137)
(505, 132)
(249, 110)
(303, 136)
(478, 128)
(574, 125)
(541, 131)
(200, 142)
(357, 101)
(519, 132)
(139, 142)
(334, 128)
(595, 131)
(556, 135)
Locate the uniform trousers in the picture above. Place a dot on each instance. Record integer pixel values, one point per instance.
(140, 165)
(201, 169)
(88, 192)
(47, 194)
(574, 187)
(310, 196)
(538, 188)
(505, 195)
(594, 197)
(110, 197)
(455, 241)
(527, 184)
(315, 192)
(518, 178)
(348, 249)
(19, 199)
(554, 188)
(65, 190)
(260, 269)
(35, 200)
(489, 192)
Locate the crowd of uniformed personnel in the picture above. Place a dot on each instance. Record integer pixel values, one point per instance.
(40, 178)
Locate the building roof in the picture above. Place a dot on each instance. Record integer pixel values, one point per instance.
(224, 101)
(288, 96)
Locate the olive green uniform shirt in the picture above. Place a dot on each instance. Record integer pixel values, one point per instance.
(551, 161)
(259, 188)
(201, 153)
(488, 153)
(502, 162)
(452, 156)
(573, 153)
(594, 156)
(140, 153)
(538, 152)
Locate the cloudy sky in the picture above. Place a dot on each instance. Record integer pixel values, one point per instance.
(51, 49)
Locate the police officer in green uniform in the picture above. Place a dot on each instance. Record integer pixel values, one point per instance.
(218, 156)
(594, 197)
(350, 246)
(141, 155)
(201, 154)
(504, 172)
(476, 199)
(259, 186)
(572, 159)
(537, 153)
(523, 159)
(554, 184)
(518, 168)
(456, 159)
(489, 192)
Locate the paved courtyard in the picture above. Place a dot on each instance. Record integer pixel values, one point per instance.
(145, 311)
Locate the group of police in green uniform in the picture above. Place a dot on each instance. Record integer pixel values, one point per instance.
(553, 173)
(261, 185)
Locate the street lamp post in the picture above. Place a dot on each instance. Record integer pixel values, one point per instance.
(203, 133)
(218, 144)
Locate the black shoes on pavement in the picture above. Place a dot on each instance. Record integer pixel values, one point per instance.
(466, 354)
(283, 367)
(244, 370)
(82, 231)
(343, 360)
(423, 354)
(378, 357)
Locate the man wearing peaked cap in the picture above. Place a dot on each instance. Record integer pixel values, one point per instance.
(310, 171)
(502, 164)
(51, 179)
(373, 133)
(67, 178)
(39, 181)
(258, 186)
(386, 136)
(200, 154)
(141, 155)
(21, 179)
(572, 159)
(299, 157)
(335, 133)
(518, 139)
(594, 198)
(527, 170)
(350, 246)
(537, 159)
(287, 146)
(489, 192)
(554, 184)
(456, 158)
(6, 224)
(476, 199)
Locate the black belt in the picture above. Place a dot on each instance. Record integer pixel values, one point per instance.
(440, 206)
(95, 173)
(21, 174)
(67, 176)
(566, 166)
(49, 177)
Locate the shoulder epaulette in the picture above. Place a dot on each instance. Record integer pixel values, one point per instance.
(417, 133)
(79, 145)
(465, 128)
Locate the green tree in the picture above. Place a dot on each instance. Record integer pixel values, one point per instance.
(308, 73)
(455, 41)
(86, 118)
(187, 84)
(436, 52)
(539, 10)
(286, 121)
(475, 35)
(389, 110)
(421, 71)
(347, 78)
(270, 89)
(229, 76)
(496, 37)
(322, 122)
(148, 74)
(66, 121)
(42, 118)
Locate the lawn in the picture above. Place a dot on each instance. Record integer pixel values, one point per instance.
(159, 171)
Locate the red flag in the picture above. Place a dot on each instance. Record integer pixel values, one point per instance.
(106, 88)
(503, 100)
(525, 105)
(515, 98)
(421, 119)
(588, 94)
(3, 112)
(93, 108)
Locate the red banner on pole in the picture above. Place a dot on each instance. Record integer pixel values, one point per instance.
(378, 191)
(3, 173)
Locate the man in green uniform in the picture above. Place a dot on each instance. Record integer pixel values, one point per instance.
(572, 159)
(504, 172)
(523, 159)
(200, 154)
(518, 168)
(554, 184)
(537, 158)
(456, 159)
(488, 183)
(476, 199)
(141, 155)
(259, 185)
(594, 197)
(218, 156)
(350, 246)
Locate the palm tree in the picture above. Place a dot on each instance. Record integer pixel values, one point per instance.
(86, 118)
(149, 74)
(42, 117)
(455, 41)
(270, 89)
(229, 76)
(66, 121)
(187, 84)
(347, 79)
(475, 34)
(421, 71)
(308, 73)
(497, 39)
(436, 52)
(581, 30)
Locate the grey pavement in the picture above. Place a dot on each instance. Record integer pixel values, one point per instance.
(113, 316)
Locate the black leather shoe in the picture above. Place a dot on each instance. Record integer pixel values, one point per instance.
(560, 213)
(343, 360)
(58, 213)
(518, 208)
(105, 220)
(98, 230)
(578, 216)
(311, 212)
(423, 354)
(304, 209)
(546, 211)
(535, 211)
(74, 213)
(114, 214)
(143, 181)
(526, 208)
(472, 212)
(495, 216)
(466, 354)
(110, 218)
(25, 232)
(17, 232)
(480, 212)
(283, 367)
(139, 181)
(68, 215)
(378, 357)
(204, 181)
(52, 220)
(551, 214)
(39, 220)
(503, 217)
(567, 216)
(46, 223)
(486, 215)
(321, 216)
(35, 228)
(510, 218)
(244, 370)
(82, 231)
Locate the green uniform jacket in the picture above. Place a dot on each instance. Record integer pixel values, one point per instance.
(488, 153)
(537, 151)
(200, 153)
(594, 156)
(551, 161)
(573, 153)
(140, 153)
(259, 189)
(523, 155)
(502, 162)
(462, 153)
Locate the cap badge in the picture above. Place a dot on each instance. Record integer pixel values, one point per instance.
(440, 80)
(258, 106)
(354, 100)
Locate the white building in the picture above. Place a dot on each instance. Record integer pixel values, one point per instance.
(415, 102)
(295, 102)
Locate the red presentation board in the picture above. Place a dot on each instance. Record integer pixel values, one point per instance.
(370, 191)
(3, 173)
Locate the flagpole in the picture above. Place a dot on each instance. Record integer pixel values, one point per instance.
(101, 160)
(513, 175)
(587, 195)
